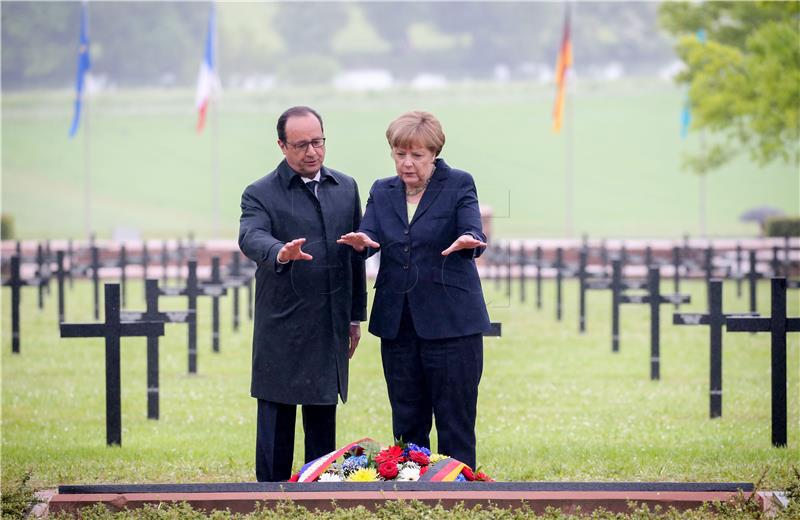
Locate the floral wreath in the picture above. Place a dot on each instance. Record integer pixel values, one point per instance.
(366, 461)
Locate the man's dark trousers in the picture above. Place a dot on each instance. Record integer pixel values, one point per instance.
(275, 437)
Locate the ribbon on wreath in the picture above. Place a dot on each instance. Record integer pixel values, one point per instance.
(446, 470)
(312, 470)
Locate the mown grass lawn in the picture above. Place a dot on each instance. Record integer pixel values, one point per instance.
(554, 405)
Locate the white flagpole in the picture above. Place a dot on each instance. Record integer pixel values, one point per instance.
(87, 176)
(569, 180)
(215, 177)
(569, 174)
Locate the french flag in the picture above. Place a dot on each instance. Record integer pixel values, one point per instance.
(207, 81)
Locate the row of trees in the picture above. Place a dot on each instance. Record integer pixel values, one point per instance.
(137, 43)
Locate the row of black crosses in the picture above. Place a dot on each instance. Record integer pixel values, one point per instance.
(778, 324)
(686, 262)
(149, 323)
(78, 262)
(238, 275)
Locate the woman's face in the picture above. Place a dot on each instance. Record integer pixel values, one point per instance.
(414, 165)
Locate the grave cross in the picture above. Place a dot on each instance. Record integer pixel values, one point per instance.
(122, 264)
(752, 278)
(15, 282)
(152, 314)
(655, 299)
(778, 325)
(145, 261)
(234, 280)
(192, 291)
(617, 285)
(715, 319)
(215, 288)
(112, 330)
(60, 275)
(42, 274)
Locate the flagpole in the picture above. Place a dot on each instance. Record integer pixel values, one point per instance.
(215, 177)
(703, 195)
(569, 181)
(569, 177)
(87, 173)
(87, 177)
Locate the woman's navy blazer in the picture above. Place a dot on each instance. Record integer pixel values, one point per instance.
(444, 292)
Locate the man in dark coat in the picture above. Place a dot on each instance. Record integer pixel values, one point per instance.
(310, 293)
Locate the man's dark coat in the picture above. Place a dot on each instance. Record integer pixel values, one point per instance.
(304, 308)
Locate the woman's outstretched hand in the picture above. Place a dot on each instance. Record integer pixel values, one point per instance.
(463, 242)
(358, 241)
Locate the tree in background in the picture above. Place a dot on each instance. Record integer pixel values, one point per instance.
(744, 81)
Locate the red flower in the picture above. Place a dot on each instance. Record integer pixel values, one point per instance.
(419, 457)
(483, 477)
(468, 474)
(388, 469)
(295, 477)
(423, 470)
(390, 454)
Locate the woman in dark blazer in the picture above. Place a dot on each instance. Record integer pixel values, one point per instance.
(428, 309)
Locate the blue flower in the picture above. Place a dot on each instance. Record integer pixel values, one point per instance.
(414, 447)
(460, 478)
(354, 463)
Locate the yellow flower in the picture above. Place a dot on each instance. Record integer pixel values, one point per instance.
(436, 457)
(363, 475)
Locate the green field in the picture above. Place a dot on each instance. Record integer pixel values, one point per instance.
(554, 405)
(152, 173)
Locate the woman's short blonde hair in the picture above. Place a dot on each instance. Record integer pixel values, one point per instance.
(416, 128)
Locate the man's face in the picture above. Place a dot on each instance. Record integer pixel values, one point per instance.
(302, 130)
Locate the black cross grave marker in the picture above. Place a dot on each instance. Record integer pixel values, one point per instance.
(95, 267)
(215, 288)
(234, 280)
(71, 262)
(192, 290)
(715, 319)
(60, 275)
(112, 330)
(145, 261)
(752, 277)
(778, 324)
(123, 264)
(616, 284)
(152, 314)
(538, 260)
(42, 274)
(164, 262)
(655, 299)
(16, 283)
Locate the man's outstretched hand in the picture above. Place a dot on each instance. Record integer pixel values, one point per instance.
(291, 251)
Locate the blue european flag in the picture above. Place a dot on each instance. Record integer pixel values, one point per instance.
(84, 64)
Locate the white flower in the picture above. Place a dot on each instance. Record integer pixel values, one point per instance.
(330, 477)
(409, 473)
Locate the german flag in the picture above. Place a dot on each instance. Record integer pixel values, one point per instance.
(563, 63)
